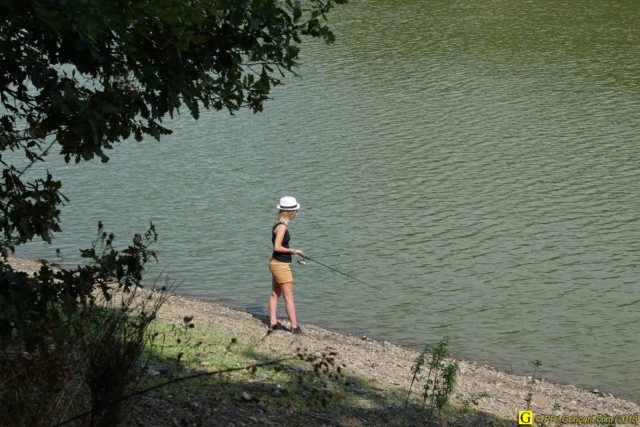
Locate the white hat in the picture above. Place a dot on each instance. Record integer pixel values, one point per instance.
(288, 203)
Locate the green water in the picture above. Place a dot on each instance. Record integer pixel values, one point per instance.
(475, 161)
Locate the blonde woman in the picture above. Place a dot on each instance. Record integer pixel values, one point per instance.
(280, 264)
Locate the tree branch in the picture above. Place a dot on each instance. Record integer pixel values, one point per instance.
(174, 381)
(40, 157)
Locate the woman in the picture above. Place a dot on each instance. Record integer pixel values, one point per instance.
(280, 265)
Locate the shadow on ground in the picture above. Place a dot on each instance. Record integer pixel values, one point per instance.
(303, 398)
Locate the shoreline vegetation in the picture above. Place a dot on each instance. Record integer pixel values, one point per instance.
(379, 377)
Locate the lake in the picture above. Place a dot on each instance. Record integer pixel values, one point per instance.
(475, 162)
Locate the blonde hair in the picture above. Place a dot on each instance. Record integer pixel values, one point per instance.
(285, 217)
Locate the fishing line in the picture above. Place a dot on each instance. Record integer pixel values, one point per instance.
(335, 269)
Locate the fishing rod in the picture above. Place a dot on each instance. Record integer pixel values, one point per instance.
(333, 269)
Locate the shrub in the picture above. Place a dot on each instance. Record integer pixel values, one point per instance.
(440, 378)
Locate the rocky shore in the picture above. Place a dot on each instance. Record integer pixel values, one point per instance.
(484, 388)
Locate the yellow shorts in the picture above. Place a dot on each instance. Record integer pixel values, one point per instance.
(281, 271)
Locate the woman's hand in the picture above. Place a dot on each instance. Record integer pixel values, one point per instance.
(297, 252)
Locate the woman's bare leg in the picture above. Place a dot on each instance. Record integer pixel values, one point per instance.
(276, 291)
(289, 305)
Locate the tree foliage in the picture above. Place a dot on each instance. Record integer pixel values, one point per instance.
(78, 76)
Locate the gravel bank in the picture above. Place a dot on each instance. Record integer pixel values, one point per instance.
(389, 365)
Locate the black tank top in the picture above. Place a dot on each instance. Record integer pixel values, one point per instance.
(281, 256)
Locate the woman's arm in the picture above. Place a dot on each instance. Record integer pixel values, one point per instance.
(277, 244)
